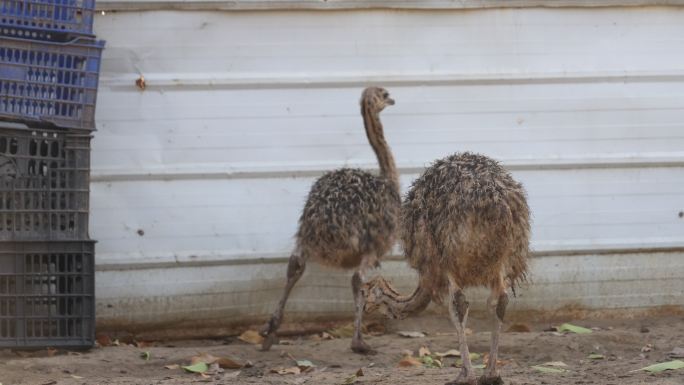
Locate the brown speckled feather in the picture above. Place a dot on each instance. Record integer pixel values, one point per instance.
(465, 216)
(349, 213)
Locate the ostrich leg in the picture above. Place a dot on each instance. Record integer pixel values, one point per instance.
(358, 279)
(497, 302)
(458, 311)
(295, 269)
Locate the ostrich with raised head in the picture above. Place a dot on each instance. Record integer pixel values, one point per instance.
(349, 220)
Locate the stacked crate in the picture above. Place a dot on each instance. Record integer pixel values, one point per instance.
(49, 69)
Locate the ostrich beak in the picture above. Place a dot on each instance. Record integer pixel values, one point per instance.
(389, 101)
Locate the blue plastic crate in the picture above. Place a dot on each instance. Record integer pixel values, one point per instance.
(50, 83)
(46, 19)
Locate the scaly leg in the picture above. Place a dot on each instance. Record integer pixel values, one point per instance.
(358, 279)
(458, 311)
(498, 300)
(295, 269)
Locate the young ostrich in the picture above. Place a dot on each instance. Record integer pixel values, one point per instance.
(465, 222)
(349, 219)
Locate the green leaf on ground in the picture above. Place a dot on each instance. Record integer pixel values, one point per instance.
(199, 367)
(449, 353)
(479, 366)
(596, 356)
(344, 331)
(573, 329)
(430, 362)
(545, 369)
(350, 380)
(305, 365)
(663, 366)
(473, 357)
(145, 355)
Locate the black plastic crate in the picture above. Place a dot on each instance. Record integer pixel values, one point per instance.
(49, 83)
(47, 294)
(46, 19)
(44, 184)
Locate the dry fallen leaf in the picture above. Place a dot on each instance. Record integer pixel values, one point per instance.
(203, 357)
(408, 362)
(51, 352)
(283, 371)
(359, 373)
(647, 348)
(412, 334)
(545, 369)
(251, 337)
(322, 336)
(374, 328)
(468, 331)
(221, 362)
(140, 82)
(423, 351)
(555, 363)
(103, 340)
(172, 366)
(519, 328)
(227, 363)
(76, 377)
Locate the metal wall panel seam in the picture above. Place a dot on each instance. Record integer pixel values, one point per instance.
(101, 176)
(285, 80)
(331, 5)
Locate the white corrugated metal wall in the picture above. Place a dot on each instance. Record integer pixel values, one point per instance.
(199, 179)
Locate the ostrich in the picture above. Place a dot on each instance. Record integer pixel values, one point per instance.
(464, 222)
(349, 220)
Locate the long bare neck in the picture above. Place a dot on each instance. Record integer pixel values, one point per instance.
(392, 303)
(376, 137)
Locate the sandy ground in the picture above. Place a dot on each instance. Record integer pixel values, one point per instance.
(619, 341)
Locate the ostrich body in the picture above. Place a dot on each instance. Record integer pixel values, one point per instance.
(465, 222)
(349, 220)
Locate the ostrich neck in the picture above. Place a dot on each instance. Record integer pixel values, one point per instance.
(376, 138)
(402, 306)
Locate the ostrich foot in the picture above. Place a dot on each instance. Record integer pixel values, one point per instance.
(360, 347)
(464, 379)
(269, 334)
(269, 340)
(490, 380)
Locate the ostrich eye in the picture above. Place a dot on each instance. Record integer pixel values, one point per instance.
(385, 95)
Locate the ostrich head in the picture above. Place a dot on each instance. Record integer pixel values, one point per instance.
(376, 99)
(381, 297)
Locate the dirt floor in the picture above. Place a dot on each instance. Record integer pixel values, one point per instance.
(624, 344)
